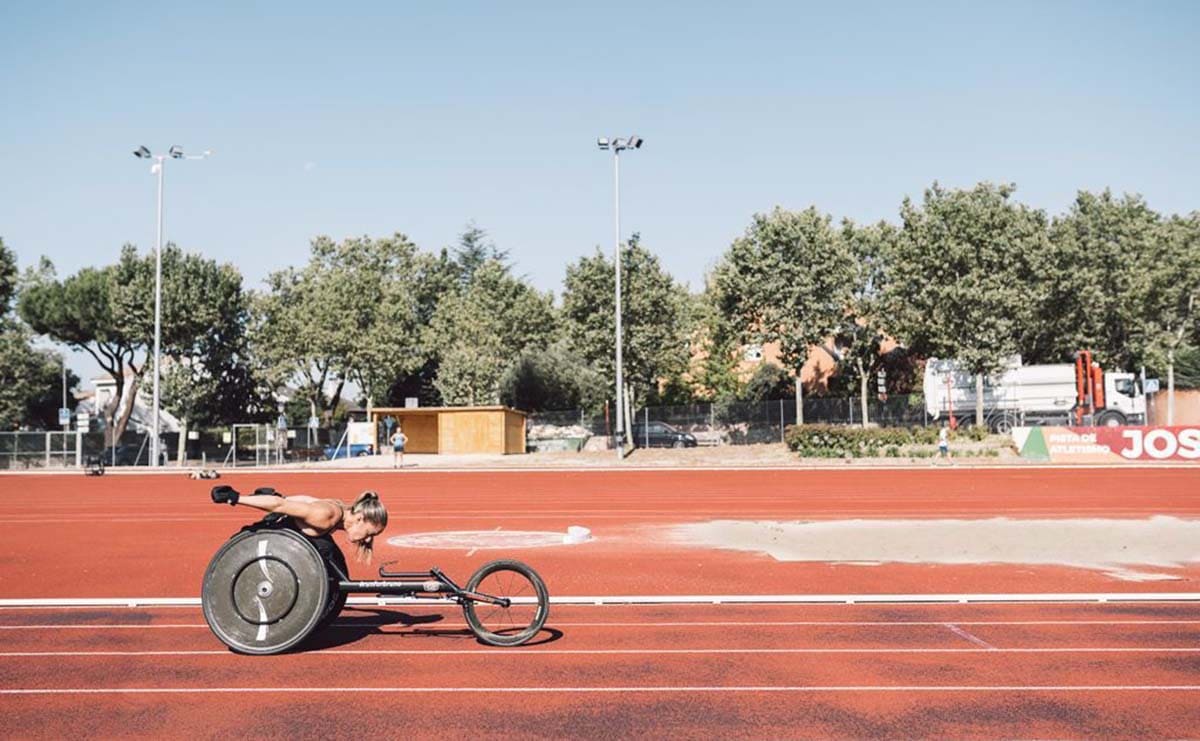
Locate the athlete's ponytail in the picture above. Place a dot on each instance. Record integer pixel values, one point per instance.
(373, 511)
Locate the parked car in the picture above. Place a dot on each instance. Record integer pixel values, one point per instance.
(347, 451)
(661, 435)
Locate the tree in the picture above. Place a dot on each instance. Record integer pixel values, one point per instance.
(965, 277)
(1170, 311)
(473, 251)
(865, 330)
(789, 280)
(353, 313)
(769, 381)
(476, 333)
(656, 318)
(211, 378)
(109, 313)
(548, 379)
(716, 376)
(8, 277)
(1095, 278)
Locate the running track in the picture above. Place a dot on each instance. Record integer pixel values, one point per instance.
(763, 671)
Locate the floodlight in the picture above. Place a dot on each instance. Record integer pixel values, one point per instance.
(175, 151)
(635, 142)
(602, 142)
(142, 152)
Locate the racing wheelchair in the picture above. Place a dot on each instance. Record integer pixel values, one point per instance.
(270, 587)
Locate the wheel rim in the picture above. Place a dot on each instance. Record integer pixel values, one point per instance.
(521, 618)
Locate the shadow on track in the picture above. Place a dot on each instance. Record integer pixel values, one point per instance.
(355, 624)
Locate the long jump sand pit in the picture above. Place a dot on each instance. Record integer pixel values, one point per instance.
(1131, 550)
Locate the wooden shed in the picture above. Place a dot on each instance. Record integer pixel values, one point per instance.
(496, 429)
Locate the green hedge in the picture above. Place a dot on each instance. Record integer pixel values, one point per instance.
(840, 441)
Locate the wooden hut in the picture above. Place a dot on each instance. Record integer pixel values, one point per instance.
(491, 429)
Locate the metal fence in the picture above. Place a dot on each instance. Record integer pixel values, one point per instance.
(737, 423)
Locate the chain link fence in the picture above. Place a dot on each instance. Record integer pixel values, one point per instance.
(726, 423)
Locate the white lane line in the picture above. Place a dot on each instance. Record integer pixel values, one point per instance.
(675, 624)
(597, 690)
(495, 653)
(685, 599)
(969, 636)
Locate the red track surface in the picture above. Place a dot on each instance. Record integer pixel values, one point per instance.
(710, 670)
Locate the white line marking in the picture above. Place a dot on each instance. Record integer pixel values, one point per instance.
(972, 638)
(693, 599)
(493, 653)
(674, 624)
(547, 690)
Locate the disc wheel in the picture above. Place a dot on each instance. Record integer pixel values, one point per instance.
(497, 625)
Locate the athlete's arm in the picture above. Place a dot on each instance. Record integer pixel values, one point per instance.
(320, 514)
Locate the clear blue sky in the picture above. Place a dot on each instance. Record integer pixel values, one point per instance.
(416, 117)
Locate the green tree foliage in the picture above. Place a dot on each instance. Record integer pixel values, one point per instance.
(965, 276)
(30, 391)
(656, 319)
(353, 313)
(109, 313)
(476, 333)
(1170, 311)
(865, 329)
(210, 379)
(29, 377)
(550, 379)
(789, 279)
(8, 277)
(769, 381)
(1096, 281)
(473, 250)
(716, 376)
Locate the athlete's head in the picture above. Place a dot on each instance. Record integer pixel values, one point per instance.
(365, 519)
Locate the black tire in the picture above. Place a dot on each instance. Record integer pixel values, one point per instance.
(513, 625)
(680, 444)
(1002, 424)
(335, 564)
(1110, 419)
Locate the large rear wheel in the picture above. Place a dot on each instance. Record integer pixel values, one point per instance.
(527, 609)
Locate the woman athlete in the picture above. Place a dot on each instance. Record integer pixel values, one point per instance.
(317, 518)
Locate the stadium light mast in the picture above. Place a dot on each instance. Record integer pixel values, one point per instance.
(175, 152)
(618, 145)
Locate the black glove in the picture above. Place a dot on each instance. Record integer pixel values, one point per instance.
(267, 491)
(223, 494)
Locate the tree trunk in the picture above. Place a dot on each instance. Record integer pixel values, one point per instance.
(979, 399)
(337, 398)
(862, 390)
(126, 410)
(181, 446)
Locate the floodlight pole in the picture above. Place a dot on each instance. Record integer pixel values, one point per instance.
(159, 168)
(154, 451)
(617, 271)
(616, 145)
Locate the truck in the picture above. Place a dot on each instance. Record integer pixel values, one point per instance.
(1080, 393)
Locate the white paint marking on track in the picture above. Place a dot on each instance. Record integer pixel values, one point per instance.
(490, 653)
(693, 599)
(970, 637)
(598, 690)
(668, 624)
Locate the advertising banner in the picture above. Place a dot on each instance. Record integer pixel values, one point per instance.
(1108, 444)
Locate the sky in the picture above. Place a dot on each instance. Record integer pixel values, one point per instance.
(375, 118)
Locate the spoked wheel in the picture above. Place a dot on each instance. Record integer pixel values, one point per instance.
(529, 605)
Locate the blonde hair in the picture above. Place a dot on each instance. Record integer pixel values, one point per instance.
(373, 511)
